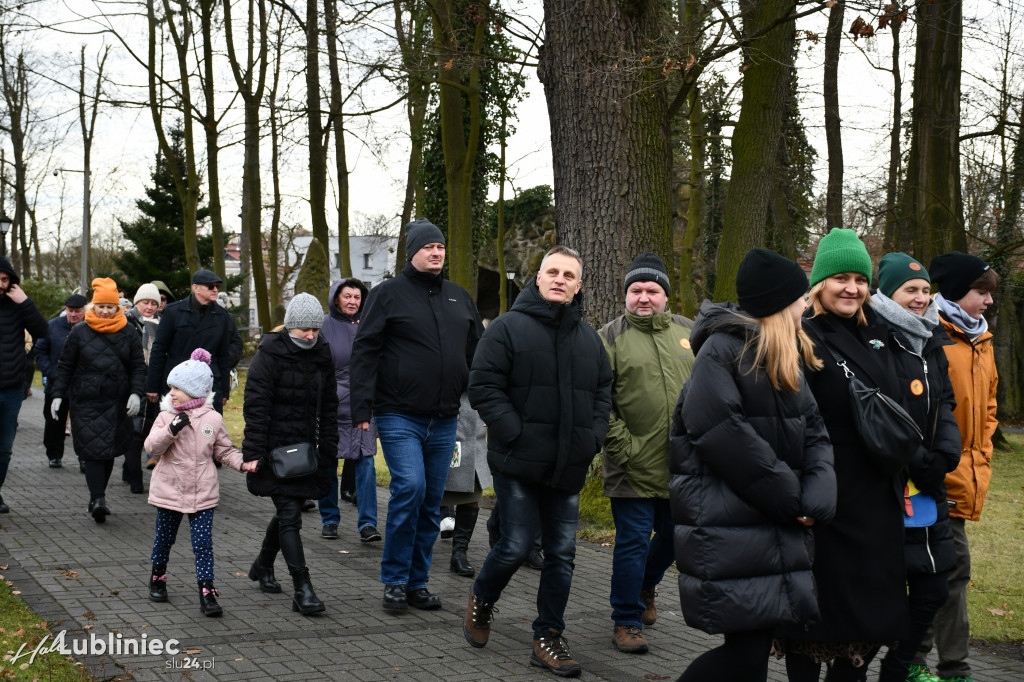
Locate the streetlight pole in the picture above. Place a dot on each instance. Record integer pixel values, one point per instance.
(5, 227)
(83, 282)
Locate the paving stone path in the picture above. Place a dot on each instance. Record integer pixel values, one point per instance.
(91, 580)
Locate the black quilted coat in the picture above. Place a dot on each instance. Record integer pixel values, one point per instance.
(931, 549)
(15, 318)
(280, 409)
(542, 383)
(746, 461)
(96, 373)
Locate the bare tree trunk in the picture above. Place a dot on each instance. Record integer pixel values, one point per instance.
(610, 138)
(14, 81)
(337, 118)
(768, 62)
(895, 159)
(317, 155)
(833, 127)
(412, 43)
(932, 202)
(212, 138)
(251, 82)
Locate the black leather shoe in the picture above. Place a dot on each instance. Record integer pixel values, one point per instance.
(158, 584)
(535, 560)
(423, 599)
(208, 599)
(55, 463)
(369, 534)
(308, 505)
(98, 509)
(394, 598)
(460, 564)
(330, 531)
(347, 496)
(4, 509)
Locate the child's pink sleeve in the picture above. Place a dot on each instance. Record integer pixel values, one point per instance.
(159, 439)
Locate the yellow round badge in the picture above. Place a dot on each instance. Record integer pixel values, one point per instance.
(916, 387)
(685, 343)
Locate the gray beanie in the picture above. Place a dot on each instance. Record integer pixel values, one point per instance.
(304, 312)
(147, 292)
(193, 376)
(418, 234)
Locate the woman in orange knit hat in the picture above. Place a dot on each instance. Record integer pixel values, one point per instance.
(103, 373)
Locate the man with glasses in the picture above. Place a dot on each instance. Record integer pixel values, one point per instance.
(195, 322)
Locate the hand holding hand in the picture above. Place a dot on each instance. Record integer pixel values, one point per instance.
(15, 293)
(134, 403)
(179, 422)
(250, 467)
(365, 426)
(153, 397)
(55, 408)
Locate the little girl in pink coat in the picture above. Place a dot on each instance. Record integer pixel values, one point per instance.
(188, 435)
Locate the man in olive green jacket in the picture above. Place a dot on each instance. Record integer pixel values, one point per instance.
(650, 356)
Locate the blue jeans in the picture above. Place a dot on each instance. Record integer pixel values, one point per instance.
(528, 509)
(10, 406)
(639, 561)
(418, 451)
(366, 495)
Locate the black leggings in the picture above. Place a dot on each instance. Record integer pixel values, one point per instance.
(97, 474)
(801, 668)
(283, 534)
(742, 658)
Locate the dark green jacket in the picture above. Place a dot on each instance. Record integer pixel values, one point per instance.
(650, 359)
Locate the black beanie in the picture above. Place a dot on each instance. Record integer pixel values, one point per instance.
(955, 272)
(648, 267)
(767, 283)
(418, 234)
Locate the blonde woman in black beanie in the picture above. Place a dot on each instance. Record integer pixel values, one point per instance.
(752, 472)
(859, 566)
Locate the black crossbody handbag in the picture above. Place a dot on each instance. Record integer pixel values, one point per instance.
(889, 434)
(298, 459)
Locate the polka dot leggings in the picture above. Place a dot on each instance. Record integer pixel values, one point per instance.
(201, 526)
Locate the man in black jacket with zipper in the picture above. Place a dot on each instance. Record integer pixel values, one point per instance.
(410, 363)
(542, 383)
(18, 314)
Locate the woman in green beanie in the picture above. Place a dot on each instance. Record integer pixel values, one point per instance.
(918, 340)
(858, 568)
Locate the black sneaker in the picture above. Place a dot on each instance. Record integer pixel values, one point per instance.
(369, 534)
(55, 463)
(330, 531)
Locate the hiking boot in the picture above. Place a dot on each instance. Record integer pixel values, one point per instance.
(629, 639)
(158, 584)
(330, 531)
(920, 673)
(208, 599)
(650, 614)
(477, 625)
(552, 652)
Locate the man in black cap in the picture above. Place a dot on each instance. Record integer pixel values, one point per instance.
(18, 314)
(410, 365)
(48, 352)
(195, 322)
(646, 342)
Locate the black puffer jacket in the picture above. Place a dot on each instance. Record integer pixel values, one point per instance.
(280, 409)
(746, 460)
(96, 373)
(185, 326)
(15, 319)
(49, 348)
(416, 340)
(542, 383)
(928, 397)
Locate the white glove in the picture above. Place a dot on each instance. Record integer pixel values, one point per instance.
(55, 408)
(134, 403)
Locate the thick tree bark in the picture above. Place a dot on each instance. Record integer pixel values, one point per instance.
(337, 117)
(609, 138)
(895, 158)
(932, 203)
(755, 142)
(212, 137)
(833, 128)
(315, 129)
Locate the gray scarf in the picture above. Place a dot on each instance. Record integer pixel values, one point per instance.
(972, 327)
(917, 329)
(303, 343)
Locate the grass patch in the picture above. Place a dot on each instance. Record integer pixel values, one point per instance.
(995, 596)
(19, 627)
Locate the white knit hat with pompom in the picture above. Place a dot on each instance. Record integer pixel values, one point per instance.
(193, 376)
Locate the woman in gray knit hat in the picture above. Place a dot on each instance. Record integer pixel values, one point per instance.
(291, 375)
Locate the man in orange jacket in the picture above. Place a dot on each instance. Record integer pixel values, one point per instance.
(965, 285)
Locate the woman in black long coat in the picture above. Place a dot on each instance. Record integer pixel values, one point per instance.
(291, 373)
(859, 565)
(102, 373)
(917, 339)
(752, 472)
